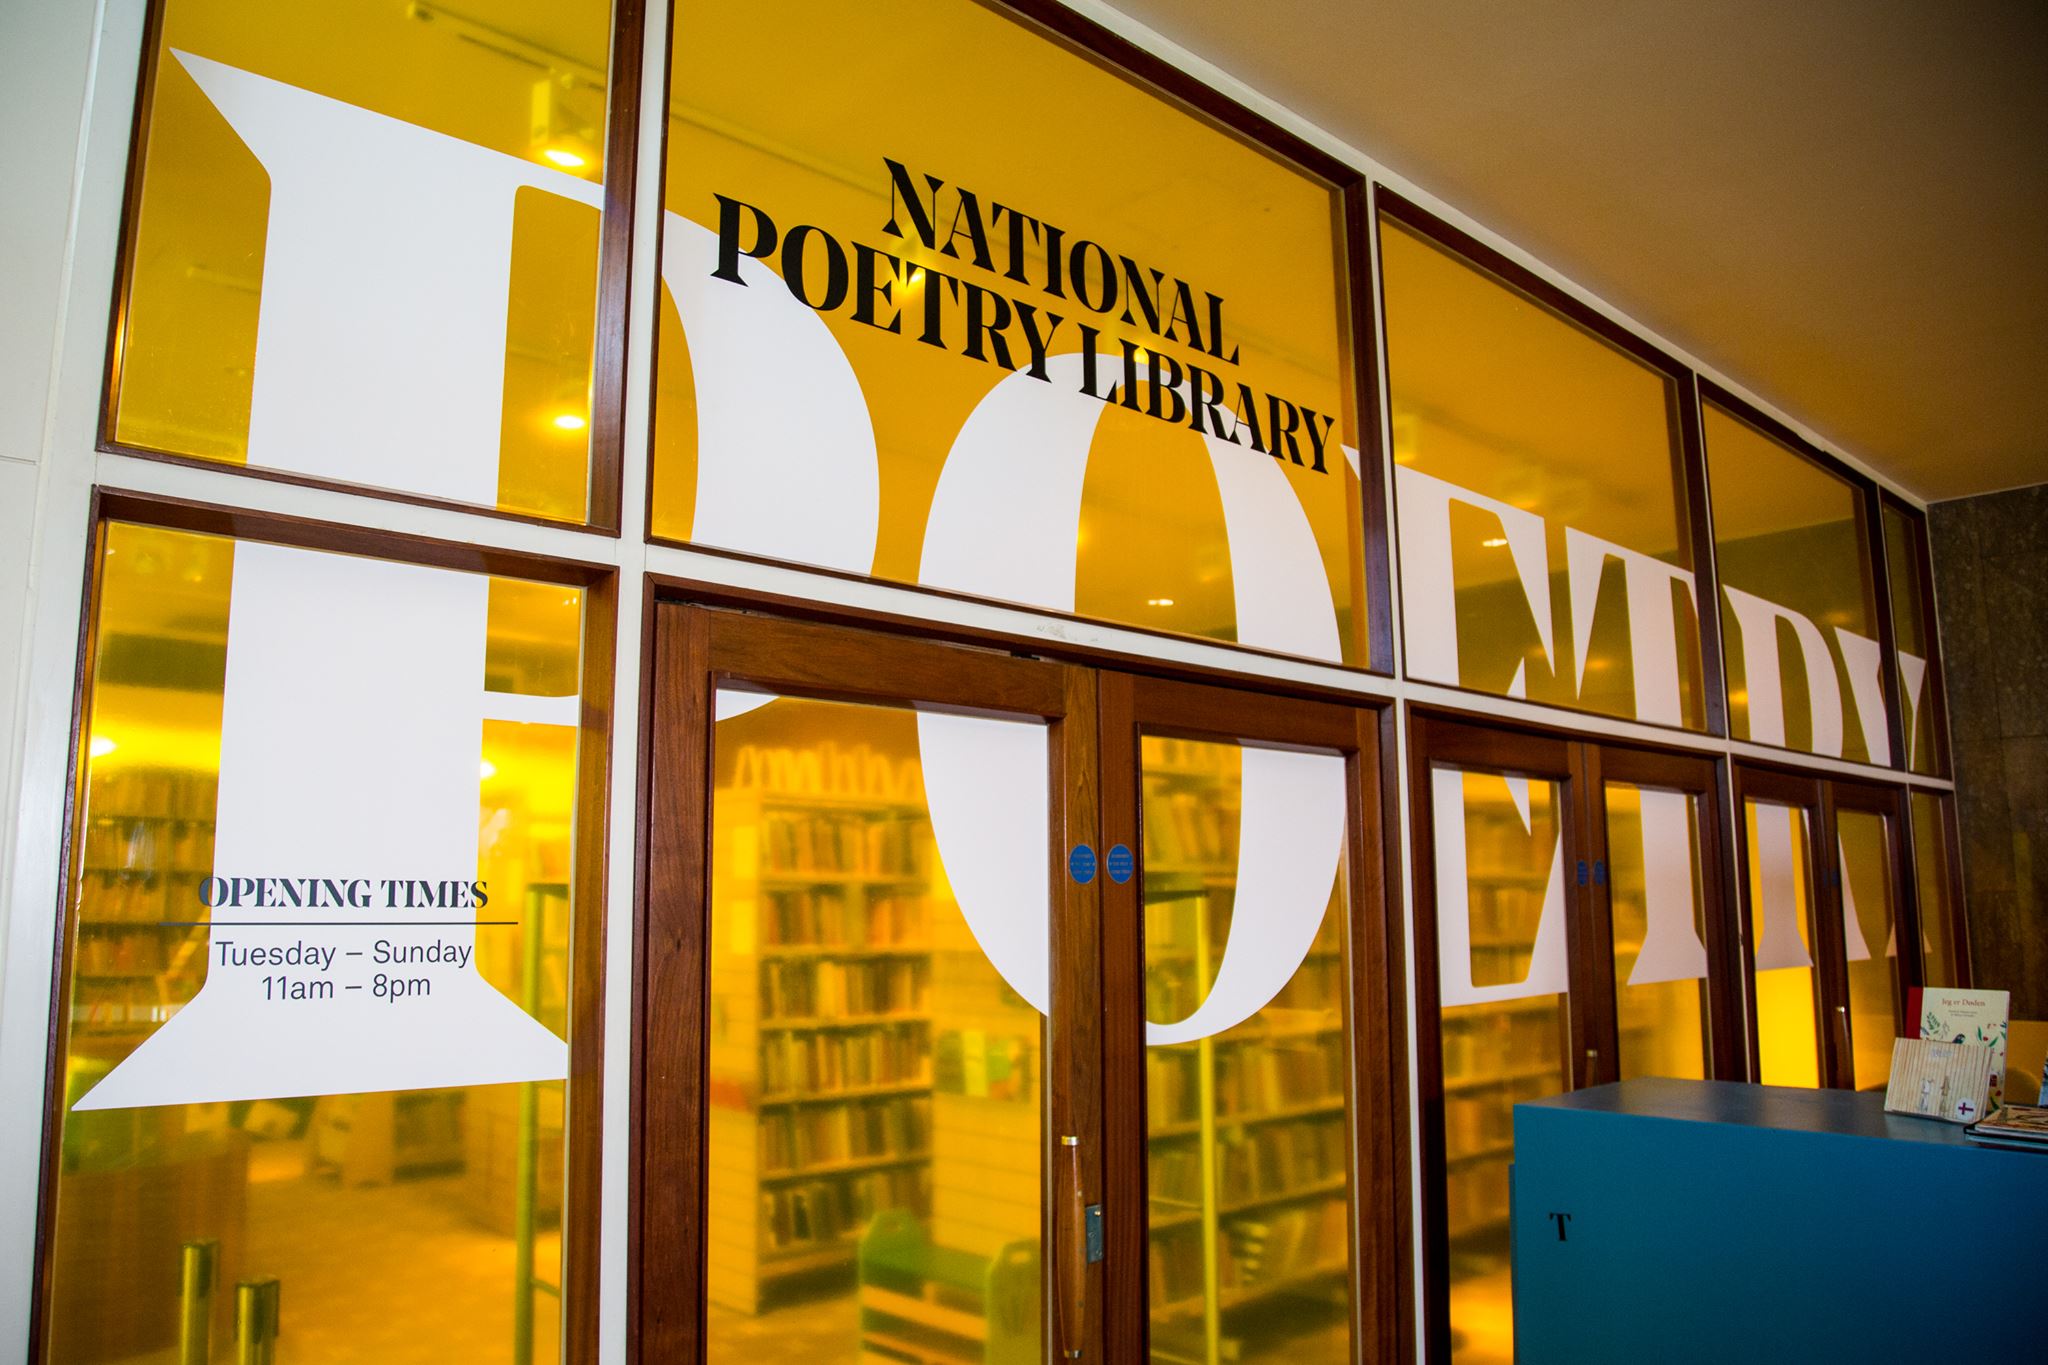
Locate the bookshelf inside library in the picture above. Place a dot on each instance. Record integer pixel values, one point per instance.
(874, 1132)
(1247, 1131)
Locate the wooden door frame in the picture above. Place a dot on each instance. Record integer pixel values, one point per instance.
(1583, 765)
(1701, 777)
(694, 650)
(1908, 970)
(1382, 1327)
(699, 645)
(1459, 743)
(1782, 787)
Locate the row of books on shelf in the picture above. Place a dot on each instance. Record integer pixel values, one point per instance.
(140, 897)
(817, 844)
(819, 1063)
(825, 918)
(828, 769)
(129, 844)
(823, 1213)
(1500, 1039)
(797, 1139)
(1251, 1252)
(1259, 1078)
(824, 988)
(1271, 1161)
(1184, 827)
(152, 794)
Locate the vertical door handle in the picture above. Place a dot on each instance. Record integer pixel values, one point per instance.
(1071, 1288)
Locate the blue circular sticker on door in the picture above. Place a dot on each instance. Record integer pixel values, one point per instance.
(1120, 864)
(1081, 862)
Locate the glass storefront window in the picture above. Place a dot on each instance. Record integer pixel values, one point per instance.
(1905, 545)
(931, 342)
(318, 971)
(364, 246)
(1798, 609)
(1540, 496)
(1248, 1145)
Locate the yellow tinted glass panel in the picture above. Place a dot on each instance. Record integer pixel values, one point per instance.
(1660, 959)
(1248, 1140)
(365, 245)
(874, 1136)
(1506, 1025)
(1797, 607)
(894, 335)
(1938, 952)
(1780, 906)
(1512, 429)
(1869, 930)
(228, 1162)
(1904, 542)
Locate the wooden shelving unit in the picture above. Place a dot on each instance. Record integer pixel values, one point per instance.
(820, 1055)
(146, 846)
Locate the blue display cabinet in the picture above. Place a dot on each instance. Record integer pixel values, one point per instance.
(1661, 1220)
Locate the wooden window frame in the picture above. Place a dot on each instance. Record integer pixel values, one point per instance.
(584, 1125)
(1871, 519)
(609, 356)
(1688, 458)
(1351, 250)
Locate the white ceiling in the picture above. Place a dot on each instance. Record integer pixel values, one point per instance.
(1840, 204)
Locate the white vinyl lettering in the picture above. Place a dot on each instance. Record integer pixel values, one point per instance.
(1548, 964)
(1672, 950)
(1756, 623)
(380, 343)
(1429, 600)
(1865, 667)
(1652, 620)
(1780, 944)
(1003, 524)
(350, 742)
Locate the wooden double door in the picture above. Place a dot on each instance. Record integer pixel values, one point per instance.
(1833, 940)
(1570, 931)
(999, 1009)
